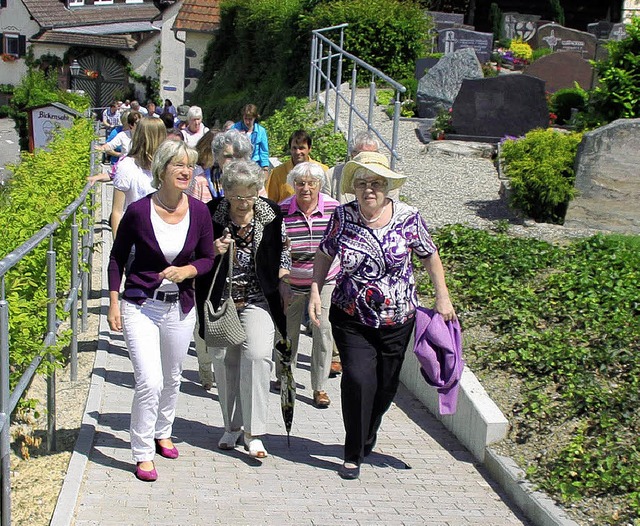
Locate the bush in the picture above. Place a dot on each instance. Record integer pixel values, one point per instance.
(521, 50)
(618, 92)
(388, 34)
(563, 100)
(540, 169)
(43, 185)
(540, 52)
(328, 147)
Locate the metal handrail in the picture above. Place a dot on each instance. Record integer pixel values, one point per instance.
(80, 251)
(317, 75)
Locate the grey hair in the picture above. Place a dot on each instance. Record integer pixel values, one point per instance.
(362, 140)
(240, 143)
(195, 112)
(309, 169)
(240, 172)
(168, 151)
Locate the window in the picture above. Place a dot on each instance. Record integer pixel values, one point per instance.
(13, 44)
(3, 3)
(134, 1)
(73, 3)
(102, 2)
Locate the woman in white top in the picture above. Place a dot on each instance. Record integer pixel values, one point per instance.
(195, 127)
(133, 177)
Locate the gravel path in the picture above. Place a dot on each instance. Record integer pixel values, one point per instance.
(449, 181)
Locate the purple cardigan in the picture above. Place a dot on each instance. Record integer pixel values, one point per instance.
(143, 279)
(438, 347)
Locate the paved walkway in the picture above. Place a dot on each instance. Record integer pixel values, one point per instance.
(419, 474)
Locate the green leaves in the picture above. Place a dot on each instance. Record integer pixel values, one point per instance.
(566, 321)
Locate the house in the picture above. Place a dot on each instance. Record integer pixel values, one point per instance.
(196, 23)
(123, 47)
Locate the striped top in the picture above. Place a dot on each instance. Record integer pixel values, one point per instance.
(305, 234)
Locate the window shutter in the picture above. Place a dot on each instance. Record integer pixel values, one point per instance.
(3, 3)
(22, 45)
(1, 43)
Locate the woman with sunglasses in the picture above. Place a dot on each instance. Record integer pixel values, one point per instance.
(252, 227)
(373, 304)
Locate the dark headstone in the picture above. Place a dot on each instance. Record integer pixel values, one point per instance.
(562, 70)
(601, 29)
(450, 40)
(618, 31)
(423, 64)
(560, 38)
(438, 88)
(607, 179)
(499, 106)
(522, 27)
(446, 18)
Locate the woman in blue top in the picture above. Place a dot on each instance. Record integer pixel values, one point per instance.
(257, 135)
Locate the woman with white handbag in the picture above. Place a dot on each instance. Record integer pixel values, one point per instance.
(249, 277)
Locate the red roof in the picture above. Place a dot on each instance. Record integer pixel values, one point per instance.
(201, 16)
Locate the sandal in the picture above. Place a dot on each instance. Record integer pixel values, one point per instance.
(230, 439)
(254, 446)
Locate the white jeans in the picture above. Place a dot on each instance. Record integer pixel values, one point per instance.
(322, 346)
(157, 335)
(242, 373)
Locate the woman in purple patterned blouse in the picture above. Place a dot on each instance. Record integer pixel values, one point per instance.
(373, 305)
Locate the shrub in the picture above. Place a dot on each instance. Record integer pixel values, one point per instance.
(388, 34)
(618, 92)
(42, 186)
(521, 50)
(540, 52)
(328, 147)
(540, 170)
(563, 100)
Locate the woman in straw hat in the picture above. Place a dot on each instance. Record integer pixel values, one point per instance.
(373, 304)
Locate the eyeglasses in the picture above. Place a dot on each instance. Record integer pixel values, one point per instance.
(311, 184)
(181, 166)
(242, 199)
(362, 184)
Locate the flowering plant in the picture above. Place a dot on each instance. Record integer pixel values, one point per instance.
(91, 73)
(443, 124)
(8, 57)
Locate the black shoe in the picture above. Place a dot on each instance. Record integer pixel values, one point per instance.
(349, 473)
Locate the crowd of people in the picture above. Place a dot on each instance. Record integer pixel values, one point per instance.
(199, 216)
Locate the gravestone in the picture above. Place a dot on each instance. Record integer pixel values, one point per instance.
(618, 31)
(560, 38)
(522, 27)
(601, 30)
(562, 70)
(423, 64)
(443, 20)
(450, 40)
(499, 106)
(607, 179)
(438, 88)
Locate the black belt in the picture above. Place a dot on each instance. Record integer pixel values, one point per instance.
(168, 297)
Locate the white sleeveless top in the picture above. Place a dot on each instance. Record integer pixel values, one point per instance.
(171, 239)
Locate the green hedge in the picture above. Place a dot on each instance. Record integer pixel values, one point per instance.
(43, 185)
(262, 51)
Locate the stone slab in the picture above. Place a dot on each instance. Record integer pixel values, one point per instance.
(562, 70)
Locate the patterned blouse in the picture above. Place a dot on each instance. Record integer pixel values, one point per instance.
(376, 283)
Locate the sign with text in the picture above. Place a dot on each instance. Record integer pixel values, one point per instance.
(44, 121)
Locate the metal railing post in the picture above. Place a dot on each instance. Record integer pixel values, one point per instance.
(352, 104)
(5, 438)
(394, 137)
(338, 83)
(51, 329)
(73, 314)
(327, 87)
(86, 256)
(372, 100)
(312, 66)
(319, 75)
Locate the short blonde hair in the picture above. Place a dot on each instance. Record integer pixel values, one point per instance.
(168, 151)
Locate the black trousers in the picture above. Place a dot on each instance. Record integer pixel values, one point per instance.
(371, 362)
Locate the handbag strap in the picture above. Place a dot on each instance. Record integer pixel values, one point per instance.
(230, 273)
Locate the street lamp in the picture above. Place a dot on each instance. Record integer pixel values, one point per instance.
(75, 71)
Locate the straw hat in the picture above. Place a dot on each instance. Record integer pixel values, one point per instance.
(375, 163)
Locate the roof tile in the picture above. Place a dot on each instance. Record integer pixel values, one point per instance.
(198, 16)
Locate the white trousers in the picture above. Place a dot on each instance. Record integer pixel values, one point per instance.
(157, 335)
(322, 346)
(243, 371)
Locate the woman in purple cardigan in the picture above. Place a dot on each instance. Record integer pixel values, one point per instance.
(173, 239)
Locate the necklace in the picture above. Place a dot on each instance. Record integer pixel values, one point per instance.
(373, 220)
(168, 208)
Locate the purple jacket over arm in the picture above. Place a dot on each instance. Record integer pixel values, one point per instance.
(438, 347)
(144, 277)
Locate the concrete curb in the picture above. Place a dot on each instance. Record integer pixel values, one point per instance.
(478, 422)
(68, 497)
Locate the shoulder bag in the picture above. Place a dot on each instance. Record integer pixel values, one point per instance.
(222, 327)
